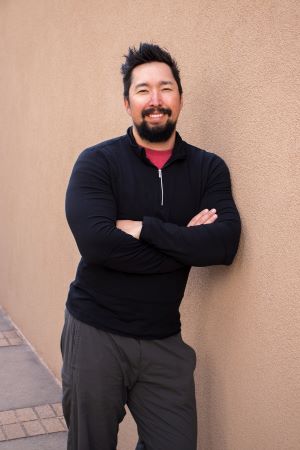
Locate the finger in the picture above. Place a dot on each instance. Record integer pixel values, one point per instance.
(211, 219)
(202, 217)
(198, 217)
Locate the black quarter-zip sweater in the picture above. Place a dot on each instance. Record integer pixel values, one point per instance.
(134, 287)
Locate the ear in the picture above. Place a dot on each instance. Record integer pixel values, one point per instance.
(127, 106)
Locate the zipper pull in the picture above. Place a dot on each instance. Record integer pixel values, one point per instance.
(161, 187)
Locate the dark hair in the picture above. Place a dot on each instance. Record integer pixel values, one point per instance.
(144, 54)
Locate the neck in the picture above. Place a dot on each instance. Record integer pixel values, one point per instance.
(166, 145)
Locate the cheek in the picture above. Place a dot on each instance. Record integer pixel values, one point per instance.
(177, 108)
(137, 111)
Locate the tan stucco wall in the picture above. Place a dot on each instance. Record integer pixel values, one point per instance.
(61, 92)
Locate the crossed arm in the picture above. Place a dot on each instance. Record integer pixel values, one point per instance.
(91, 212)
(134, 227)
(211, 237)
(149, 246)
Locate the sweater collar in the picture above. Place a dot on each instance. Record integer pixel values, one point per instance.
(179, 150)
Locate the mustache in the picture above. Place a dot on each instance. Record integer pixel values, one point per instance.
(149, 111)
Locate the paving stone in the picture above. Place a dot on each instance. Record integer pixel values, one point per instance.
(44, 411)
(32, 383)
(54, 441)
(10, 334)
(14, 431)
(5, 323)
(57, 408)
(2, 437)
(7, 417)
(64, 423)
(53, 425)
(34, 427)
(25, 414)
(15, 341)
(25, 382)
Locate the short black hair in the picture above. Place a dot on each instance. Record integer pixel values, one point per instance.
(144, 54)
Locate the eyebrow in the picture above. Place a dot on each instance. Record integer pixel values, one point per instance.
(162, 83)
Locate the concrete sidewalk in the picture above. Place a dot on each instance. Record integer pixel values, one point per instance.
(30, 397)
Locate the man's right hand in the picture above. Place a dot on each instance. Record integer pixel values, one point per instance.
(203, 218)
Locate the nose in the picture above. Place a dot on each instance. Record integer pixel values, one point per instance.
(155, 99)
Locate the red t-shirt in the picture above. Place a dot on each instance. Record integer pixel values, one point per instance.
(158, 157)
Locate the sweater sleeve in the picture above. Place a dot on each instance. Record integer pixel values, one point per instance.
(92, 213)
(201, 245)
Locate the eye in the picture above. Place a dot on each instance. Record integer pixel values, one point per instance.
(167, 89)
(142, 91)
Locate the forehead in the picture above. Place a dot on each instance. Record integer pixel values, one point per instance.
(151, 73)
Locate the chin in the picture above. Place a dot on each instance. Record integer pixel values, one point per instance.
(155, 132)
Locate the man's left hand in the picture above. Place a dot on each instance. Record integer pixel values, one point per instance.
(132, 227)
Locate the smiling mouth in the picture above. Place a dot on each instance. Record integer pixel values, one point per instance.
(155, 116)
(156, 113)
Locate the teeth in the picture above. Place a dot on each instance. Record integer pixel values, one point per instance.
(156, 115)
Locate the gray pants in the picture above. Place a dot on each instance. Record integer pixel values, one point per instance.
(102, 372)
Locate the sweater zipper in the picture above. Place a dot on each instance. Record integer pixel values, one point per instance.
(161, 187)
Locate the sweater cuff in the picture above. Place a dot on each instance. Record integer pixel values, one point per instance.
(146, 229)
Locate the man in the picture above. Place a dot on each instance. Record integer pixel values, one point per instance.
(143, 209)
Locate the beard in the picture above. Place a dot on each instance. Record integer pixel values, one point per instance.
(156, 133)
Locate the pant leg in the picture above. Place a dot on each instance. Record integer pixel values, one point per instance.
(162, 401)
(93, 387)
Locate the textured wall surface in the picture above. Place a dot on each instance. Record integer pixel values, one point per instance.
(61, 92)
